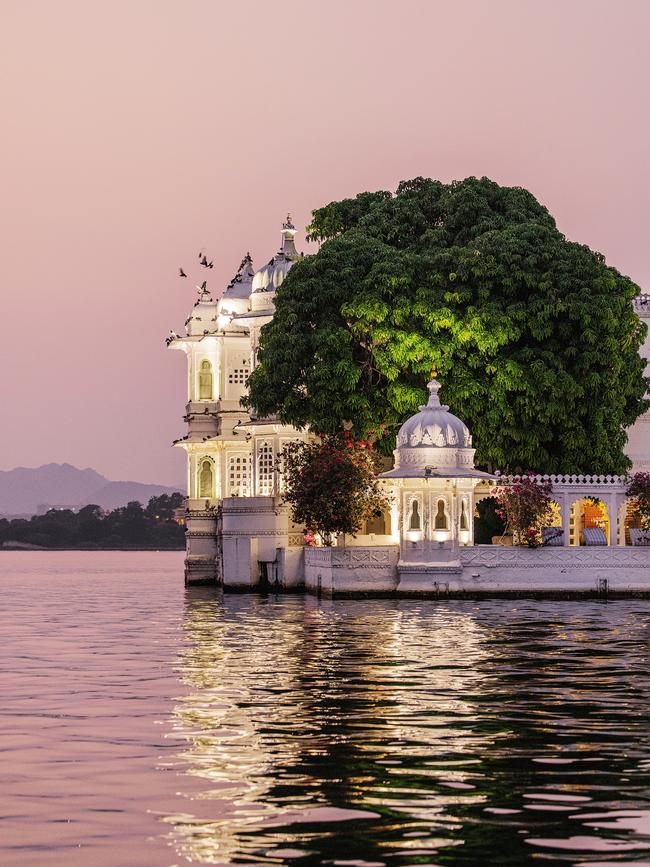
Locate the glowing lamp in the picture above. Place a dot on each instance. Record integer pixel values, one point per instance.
(463, 537)
(414, 535)
(440, 535)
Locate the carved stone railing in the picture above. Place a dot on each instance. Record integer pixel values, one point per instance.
(495, 556)
(355, 557)
(571, 480)
(642, 303)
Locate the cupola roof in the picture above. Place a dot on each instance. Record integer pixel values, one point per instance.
(434, 442)
(241, 284)
(434, 426)
(203, 316)
(271, 275)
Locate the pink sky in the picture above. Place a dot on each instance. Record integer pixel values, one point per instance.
(136, 131)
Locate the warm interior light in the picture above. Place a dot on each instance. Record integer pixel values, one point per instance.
(463, 537)
(414, 535)
(441, 535)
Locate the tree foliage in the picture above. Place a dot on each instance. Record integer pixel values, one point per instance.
(129, 526)
(533, 336)
(332, 484)
(639, 491)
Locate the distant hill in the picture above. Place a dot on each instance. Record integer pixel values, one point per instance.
(28, 490)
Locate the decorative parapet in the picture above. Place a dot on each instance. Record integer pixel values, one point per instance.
(355, 557)
(575, 480)
(497, 557)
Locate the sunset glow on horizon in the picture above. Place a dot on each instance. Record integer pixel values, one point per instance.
(138, 133)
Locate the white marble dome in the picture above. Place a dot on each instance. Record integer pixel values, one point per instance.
(434, 443)
(203, 318)
(270, 276)
(434, 426)
(240, 286)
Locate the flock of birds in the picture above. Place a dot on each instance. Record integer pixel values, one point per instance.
(203, 260)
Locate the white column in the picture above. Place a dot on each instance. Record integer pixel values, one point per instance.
(621, 514)
(610, 505)
(565, 511)
(219, 388)
(190, 375)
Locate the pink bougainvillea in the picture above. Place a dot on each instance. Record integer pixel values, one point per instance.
(524, 504)
(332, 485)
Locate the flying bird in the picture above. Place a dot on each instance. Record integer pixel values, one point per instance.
(204, 262)
(181, 273)
(210, 265)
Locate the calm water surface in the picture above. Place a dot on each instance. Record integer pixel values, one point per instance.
(142, 724)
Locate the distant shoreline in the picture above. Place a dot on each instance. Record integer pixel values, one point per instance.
(38, 548)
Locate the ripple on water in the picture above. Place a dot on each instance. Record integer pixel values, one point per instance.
(146, 725)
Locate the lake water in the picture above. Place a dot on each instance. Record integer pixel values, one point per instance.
(142, 724)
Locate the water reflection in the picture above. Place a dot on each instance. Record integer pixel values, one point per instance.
(386, 732)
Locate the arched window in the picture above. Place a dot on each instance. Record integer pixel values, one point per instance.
(205, 380)
(206, 479)
(464, 517)
(414, 517)
(440, 520)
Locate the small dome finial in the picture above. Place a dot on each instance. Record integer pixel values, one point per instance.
(434, 388)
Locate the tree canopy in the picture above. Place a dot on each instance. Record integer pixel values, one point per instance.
(129, 526)
(533, 336)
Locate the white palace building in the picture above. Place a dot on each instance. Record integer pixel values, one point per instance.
(240, 535)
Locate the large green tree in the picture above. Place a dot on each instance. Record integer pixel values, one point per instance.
(533, 336)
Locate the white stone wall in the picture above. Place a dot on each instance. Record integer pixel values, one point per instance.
(255, 530)
(485, 570)
(494, 569)
(351, 570)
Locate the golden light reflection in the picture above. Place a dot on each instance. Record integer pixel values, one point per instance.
(301, 715)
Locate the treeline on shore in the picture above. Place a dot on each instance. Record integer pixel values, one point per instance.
(132, 526)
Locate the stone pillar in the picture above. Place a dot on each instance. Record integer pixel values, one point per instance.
(621, 514)
(565, 510)
(610, 505)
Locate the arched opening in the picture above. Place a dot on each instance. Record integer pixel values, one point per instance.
(441, 520)
(206, 380)
(552, 531)
(488, 525)
(379, 525)
(206, 479)
(415, 522)
(632, 530)
(464, 516)
(589, 514)
(440, 523)
(463, 522)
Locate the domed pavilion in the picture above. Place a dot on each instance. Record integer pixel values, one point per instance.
(433, 482)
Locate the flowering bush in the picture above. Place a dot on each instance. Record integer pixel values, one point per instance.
(332, 485)
(524, 504)
(639, 490)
